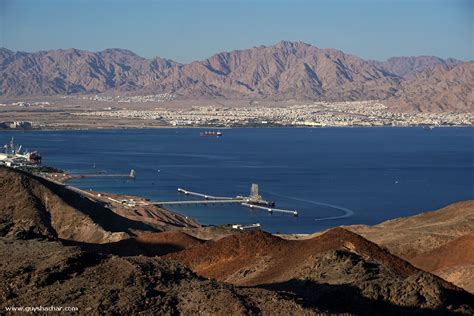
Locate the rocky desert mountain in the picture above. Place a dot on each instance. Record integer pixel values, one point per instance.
(409, 236)
(406, 67)
(439, 241)
(453, 261)
(435, 89)
(284, 71)
(62, 247)
(450, 254)
(106, 284)
(34, 207)
(77, 71)
(337, 261)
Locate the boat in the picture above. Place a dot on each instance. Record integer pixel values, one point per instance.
(211, 133)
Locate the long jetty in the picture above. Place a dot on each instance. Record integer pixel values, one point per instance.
(197, 202)
(210, 199)
(132, 175)
(206, 196)
(270, 209)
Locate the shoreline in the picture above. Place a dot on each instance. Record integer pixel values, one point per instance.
(121, 200)
(222, 128)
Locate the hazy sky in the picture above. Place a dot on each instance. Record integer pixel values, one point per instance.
(186, 30)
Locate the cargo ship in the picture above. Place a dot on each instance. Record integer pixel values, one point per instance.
(210, 133)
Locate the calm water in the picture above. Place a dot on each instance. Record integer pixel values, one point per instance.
(332, 176)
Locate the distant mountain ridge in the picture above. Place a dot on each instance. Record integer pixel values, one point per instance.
(440, 88)
(406, 67)
(284, 71)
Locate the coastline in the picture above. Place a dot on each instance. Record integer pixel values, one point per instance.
(222, 128)
(82, 114)
(120, 201)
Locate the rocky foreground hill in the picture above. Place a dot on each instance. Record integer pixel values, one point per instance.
(441, 242)
(284, 71)
(109, 263)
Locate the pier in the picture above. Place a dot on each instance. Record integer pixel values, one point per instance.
(206, 196)
(131, 175)
(254, 201)
(197, 202)
(270, 209)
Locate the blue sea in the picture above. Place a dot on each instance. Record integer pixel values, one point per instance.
(331, 176)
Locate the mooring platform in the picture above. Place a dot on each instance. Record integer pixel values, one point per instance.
(254, 201)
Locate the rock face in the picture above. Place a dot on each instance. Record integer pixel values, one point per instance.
(438, 89)
(410, 236)
(406, 67)
(46, 273)
(284, 71)
(441, 242)
(454, 253)
(77, 71)
(338, 270)
(33, 207)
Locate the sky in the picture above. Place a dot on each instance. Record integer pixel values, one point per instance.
(187, 30)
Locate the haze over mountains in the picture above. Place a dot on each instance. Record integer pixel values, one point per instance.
(284, 71)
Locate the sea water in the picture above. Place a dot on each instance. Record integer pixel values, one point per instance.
(331, 176)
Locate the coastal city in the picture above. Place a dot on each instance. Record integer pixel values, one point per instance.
(356, 113)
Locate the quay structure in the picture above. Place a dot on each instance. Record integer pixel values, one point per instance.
(253, 201)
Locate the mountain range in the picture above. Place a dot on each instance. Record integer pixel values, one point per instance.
(284, 71)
